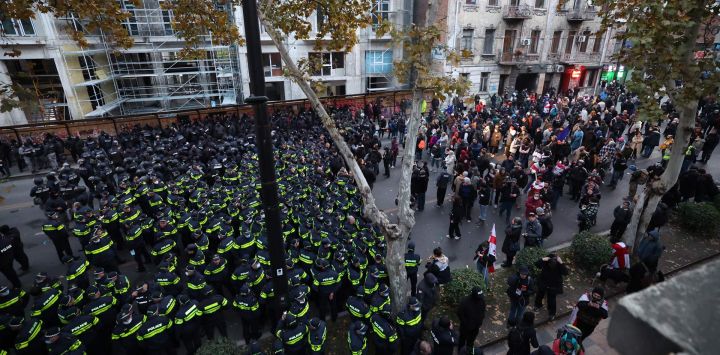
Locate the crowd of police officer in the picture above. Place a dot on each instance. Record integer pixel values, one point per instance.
(184, 202)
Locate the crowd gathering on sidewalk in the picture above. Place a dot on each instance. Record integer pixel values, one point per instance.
(183, 202)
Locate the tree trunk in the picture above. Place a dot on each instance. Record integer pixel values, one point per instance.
(395, 236)
(654, 190)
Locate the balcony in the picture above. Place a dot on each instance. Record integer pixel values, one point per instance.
(580, 58)
(581, 14)
(517, 57)
(517, 13)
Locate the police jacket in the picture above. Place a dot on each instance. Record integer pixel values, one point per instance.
(14, 302)
(186, 318)
(409, 323)
(155, 333)
(444, 339)
(66, 344)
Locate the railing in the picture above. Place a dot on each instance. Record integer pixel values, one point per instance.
(581, 14)
(391, 101)
(517, 58)
(517, 12)
(581, 57)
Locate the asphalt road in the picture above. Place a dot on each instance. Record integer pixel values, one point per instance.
(16, 209)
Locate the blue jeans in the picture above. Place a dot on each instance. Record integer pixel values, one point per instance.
(420, 201)
(647, 150)
(517, 309)
(435, 163)
(483, 212)
(506, 207)
(616, 176)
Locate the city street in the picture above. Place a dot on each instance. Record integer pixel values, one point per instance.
(16, 209)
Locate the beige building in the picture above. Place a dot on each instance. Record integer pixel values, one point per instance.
(529, 44)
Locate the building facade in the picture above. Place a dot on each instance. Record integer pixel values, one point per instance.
(73, 82)
(530, 44)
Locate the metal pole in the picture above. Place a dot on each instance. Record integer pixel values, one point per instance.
(269, 191)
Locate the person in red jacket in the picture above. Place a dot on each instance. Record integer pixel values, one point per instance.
(532, 204)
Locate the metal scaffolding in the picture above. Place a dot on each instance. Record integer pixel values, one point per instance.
(150, 76)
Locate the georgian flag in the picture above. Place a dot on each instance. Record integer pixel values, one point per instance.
(492, 249)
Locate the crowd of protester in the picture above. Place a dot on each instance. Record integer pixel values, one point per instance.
(183, 202)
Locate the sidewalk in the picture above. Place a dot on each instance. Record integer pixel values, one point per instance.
(595, 344)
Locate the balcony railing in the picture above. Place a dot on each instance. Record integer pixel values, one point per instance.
(517, 57)
(519, 12)
(575, 58)
(581, 14)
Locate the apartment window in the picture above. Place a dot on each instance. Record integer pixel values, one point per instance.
(570, 42)
(555, 47)
(13, 27)
(484, 80)
(470, 2)
(489, 41)
(96, 96)
(534, 41)
(167, 17)
(539, 4)
(378, 62)
(327, 62)
(272, 64)
(598, 42)
(377, 83)
(467, 39)
(583, 40)
(380, 12)
(131, 22)
(88, 67)
(493, 3)
(321, 17)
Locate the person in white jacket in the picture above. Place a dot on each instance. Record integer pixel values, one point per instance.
(450, 161)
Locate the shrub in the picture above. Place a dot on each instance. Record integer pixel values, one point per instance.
(590, 251)
(463, 280)
(699, 217)
(716, 201)
(219, 345)
(528, 257)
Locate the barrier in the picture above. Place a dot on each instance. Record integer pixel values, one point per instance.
(390, 102)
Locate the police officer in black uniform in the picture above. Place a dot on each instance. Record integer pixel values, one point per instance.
(187, 323)
(155, 334)
(13, 301)
(56, 230)
(412, 260)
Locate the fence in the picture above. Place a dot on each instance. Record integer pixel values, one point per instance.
(390, 101)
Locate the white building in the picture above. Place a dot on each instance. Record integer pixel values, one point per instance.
(72, 82)
(529, 44)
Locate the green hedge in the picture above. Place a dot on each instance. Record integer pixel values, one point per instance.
(463, 280)
(528, 257)
(219, 345)
(590, 251)
(699, 217)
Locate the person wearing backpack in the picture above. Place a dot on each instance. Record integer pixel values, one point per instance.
(522, 336)
(520, 287)
(650, 249)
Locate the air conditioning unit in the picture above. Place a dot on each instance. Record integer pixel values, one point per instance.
(525, 42)
(559, 68)
(582, 39)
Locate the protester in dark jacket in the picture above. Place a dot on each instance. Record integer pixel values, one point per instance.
(622, 215)
(589, 311)
(520, 287)
(550, 282)
(471, 313)
(659, 218)
(523, 336)
(511, 244)
(444, 336)
(428, 293)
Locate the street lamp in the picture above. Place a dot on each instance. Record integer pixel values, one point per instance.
(263, 139)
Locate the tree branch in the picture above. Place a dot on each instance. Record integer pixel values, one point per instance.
(370, 209)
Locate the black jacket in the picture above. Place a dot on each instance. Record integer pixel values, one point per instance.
(512, 235)
(471, 311)
(551, 275)
(444, 339)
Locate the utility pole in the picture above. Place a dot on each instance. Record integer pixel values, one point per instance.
(266, 159)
